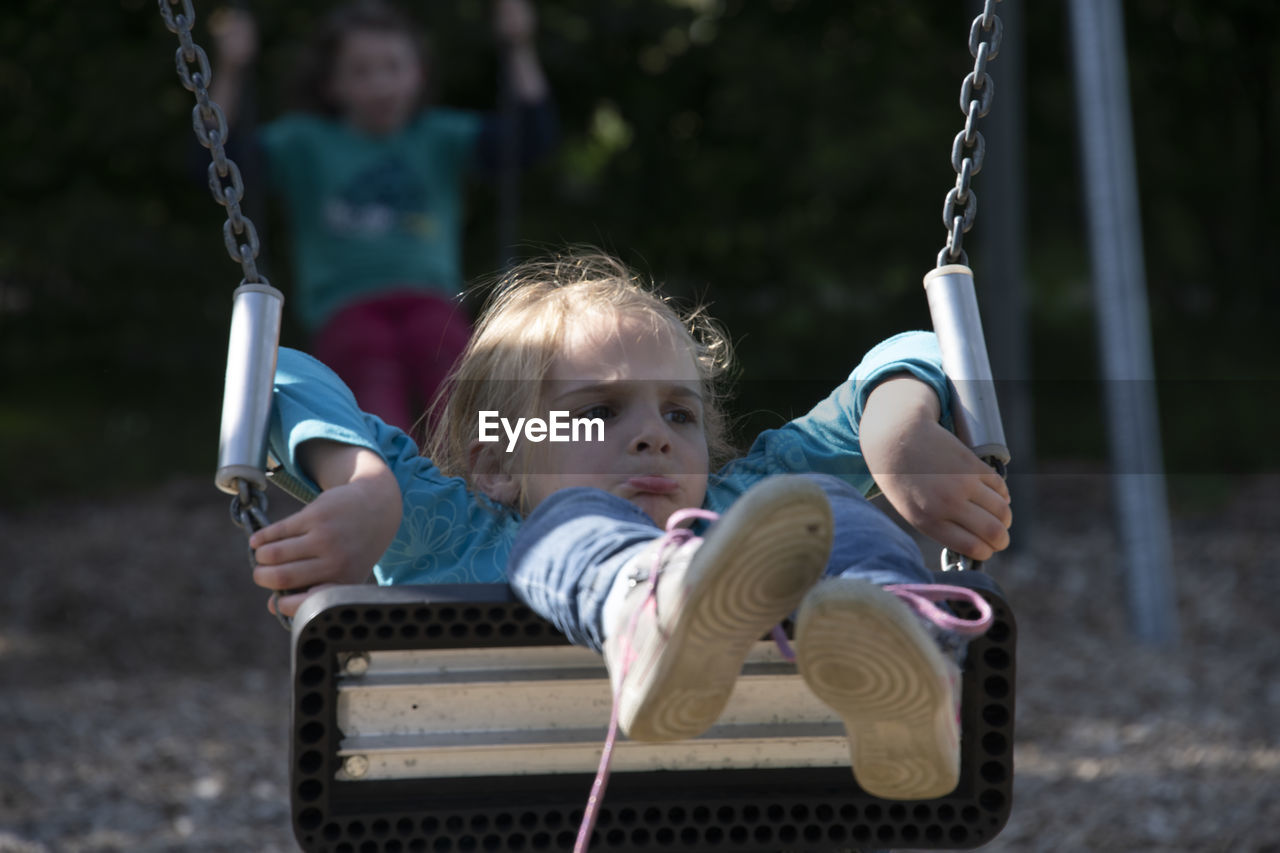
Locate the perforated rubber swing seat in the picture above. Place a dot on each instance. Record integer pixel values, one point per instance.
(451, 718)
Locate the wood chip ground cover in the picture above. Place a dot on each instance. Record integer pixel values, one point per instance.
(144, 697)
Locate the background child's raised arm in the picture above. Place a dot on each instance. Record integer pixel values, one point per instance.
(515, 23)
(235, 41)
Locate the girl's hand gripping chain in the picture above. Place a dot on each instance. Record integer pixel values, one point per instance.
(936, 483)
(338, 537)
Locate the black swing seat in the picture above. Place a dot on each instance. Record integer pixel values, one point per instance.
(452, 718)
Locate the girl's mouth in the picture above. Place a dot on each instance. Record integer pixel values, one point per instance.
(653, 484)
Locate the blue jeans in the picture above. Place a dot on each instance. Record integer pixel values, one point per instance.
(569, 550)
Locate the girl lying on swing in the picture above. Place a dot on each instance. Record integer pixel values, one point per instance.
(598, 535)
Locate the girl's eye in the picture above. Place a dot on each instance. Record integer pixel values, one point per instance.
(602, 412)
(682, 416)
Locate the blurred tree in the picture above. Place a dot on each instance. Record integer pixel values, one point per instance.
(785, 160)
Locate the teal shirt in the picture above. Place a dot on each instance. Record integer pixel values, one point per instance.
(451, 535)
(371, 214)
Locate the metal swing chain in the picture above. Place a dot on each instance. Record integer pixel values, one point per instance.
(249, 505)
(968, 151)
(969, 148)
(249, 513)
(210, 126)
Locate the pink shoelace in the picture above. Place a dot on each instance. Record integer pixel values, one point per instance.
(675, 536)
(920, 597)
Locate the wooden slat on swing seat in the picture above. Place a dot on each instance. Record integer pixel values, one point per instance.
(453, 718)
(529, 711)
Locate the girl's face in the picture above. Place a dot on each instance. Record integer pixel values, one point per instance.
(646, 389)
(377, 78)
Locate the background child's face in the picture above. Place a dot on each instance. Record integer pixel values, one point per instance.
(646, 388)
(376, 79)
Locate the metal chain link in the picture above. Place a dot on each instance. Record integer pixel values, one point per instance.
(210, 126)
(249, 513)
(249, 505)
(969, 148)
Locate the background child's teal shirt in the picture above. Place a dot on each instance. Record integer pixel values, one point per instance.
(450, 534)
(371, 213)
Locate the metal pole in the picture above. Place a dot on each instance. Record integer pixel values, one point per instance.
(1115, 240)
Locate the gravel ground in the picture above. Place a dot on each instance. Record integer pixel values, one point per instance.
(144, 699)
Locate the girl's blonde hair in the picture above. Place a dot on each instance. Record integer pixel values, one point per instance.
(521, 330)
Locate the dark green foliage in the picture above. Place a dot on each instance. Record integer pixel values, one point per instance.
(785, 160)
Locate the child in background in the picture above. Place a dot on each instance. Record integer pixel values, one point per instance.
(372, 179)
(578, 528)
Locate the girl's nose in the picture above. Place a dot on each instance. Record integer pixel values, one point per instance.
(651, 435)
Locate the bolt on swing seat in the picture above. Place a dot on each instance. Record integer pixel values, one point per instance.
(452, 718)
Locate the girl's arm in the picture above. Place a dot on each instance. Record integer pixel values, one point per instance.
(338, 537)
(445, 534)
(888, 427)
(320, 435)
(932, 479)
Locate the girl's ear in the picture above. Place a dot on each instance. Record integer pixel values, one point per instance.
(488, 474)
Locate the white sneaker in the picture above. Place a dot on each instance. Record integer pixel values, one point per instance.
(676, 645)
(864, 652)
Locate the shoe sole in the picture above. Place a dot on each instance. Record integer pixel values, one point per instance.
(751, 571)
(865, 654)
